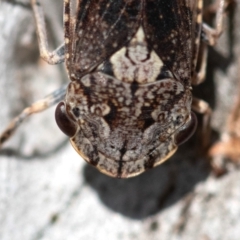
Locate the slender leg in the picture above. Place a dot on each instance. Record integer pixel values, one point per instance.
(230, 143)
(36, 107)
(201, 65)
(56, 56)
(202, 107)
(211, 35)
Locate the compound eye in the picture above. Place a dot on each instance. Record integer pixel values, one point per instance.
(185, 133)
(66, 125)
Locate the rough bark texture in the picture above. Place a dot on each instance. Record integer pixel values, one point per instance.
(47, 192)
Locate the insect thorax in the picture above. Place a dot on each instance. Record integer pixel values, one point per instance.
(128, 111)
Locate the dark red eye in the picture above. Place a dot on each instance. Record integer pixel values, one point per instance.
(183, 135)
(64, 123)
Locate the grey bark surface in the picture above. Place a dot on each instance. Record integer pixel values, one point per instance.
(47, 192)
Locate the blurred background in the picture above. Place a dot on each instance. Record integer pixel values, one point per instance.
(47, 192)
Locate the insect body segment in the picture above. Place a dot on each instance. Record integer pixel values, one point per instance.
(102, 27)
(121, 131)
(129, 111)
(131, 64)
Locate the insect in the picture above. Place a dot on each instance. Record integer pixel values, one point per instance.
(132, 64)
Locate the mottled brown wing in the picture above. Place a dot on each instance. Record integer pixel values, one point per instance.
(169, 29)
(102, 27)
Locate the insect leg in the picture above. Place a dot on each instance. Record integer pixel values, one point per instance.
(56, 56)
(202, 107)
(36, 107)
(211, 35)
(200, 71)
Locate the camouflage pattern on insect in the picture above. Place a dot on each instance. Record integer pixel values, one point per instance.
(132, 64)
(130, 97)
